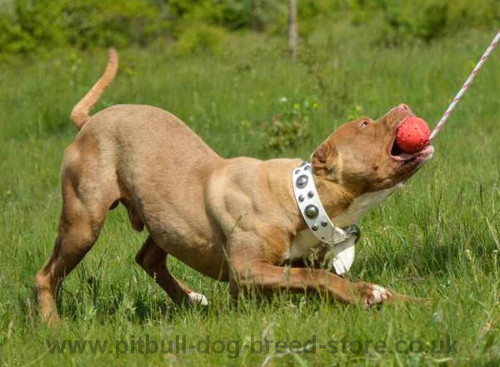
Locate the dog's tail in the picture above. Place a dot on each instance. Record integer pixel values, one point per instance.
(80, 113)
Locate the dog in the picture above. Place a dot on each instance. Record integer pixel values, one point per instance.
(235, 219)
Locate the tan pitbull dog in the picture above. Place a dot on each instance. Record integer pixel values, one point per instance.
(232, 219)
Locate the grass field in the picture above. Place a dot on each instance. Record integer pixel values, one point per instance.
(438, 237)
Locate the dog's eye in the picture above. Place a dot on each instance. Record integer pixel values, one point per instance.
(364, 123)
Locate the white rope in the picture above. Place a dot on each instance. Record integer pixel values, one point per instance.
(466, 86)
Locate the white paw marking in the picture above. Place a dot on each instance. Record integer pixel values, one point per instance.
(379, 294)
(198, 299)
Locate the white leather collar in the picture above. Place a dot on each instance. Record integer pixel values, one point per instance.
(319, 222)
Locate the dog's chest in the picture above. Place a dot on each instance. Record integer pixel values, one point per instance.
(302, 245)
(361, 205)
(305, 242)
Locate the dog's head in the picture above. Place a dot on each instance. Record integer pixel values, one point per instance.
(363, 154)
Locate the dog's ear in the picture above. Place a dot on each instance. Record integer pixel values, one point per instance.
(324, 159)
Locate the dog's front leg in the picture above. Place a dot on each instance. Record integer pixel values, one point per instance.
(266, 277)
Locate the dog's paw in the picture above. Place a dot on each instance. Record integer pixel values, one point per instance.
(198, 299)
(375, 294)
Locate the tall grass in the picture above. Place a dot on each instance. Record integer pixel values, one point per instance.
(437, 238)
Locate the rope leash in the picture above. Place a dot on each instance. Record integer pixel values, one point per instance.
(465, 87)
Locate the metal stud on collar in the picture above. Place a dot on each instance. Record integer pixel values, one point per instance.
(316, 218)
(301, 181)
(312, 209)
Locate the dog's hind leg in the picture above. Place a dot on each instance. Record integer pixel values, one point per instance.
(153, 259)
(86, 199)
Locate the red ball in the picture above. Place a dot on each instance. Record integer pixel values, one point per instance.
(413, 135)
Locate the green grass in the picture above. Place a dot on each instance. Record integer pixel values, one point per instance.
(437, 238)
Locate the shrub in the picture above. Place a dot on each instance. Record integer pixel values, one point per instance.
(291, 125)
(37, 24)
(29, 25)
(202, 38)
(253, 14)
(477, 13)
(424, 20)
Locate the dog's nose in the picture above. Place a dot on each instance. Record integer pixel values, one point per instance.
(400, 108)
(403, 109)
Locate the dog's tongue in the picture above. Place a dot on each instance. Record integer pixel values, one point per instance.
(413, 135)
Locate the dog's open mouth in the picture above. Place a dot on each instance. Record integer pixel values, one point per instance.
(397, 153)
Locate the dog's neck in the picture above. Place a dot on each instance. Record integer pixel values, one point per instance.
(311, 207)
(335, 198)
(308, 199)
(344, 206)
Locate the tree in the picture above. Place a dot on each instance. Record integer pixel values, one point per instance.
(292, 28)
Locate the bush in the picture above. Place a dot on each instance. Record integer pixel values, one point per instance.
(30, 25)
(291, 125)
(251, 14)
(424, 20)
(477, 13)
(202, 38)
(44, 24)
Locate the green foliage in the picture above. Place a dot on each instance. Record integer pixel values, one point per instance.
(250, 14)
(27, 26)
(44, 24)
(202, 38)
(312, 12)
(291, 126)
(355, 112)
(30, 25)
(424, 20)
(469, 14)
(332, 85)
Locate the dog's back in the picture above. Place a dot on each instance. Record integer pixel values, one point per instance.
(137, 155)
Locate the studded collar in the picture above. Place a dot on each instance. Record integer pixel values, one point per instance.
(341, 239)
